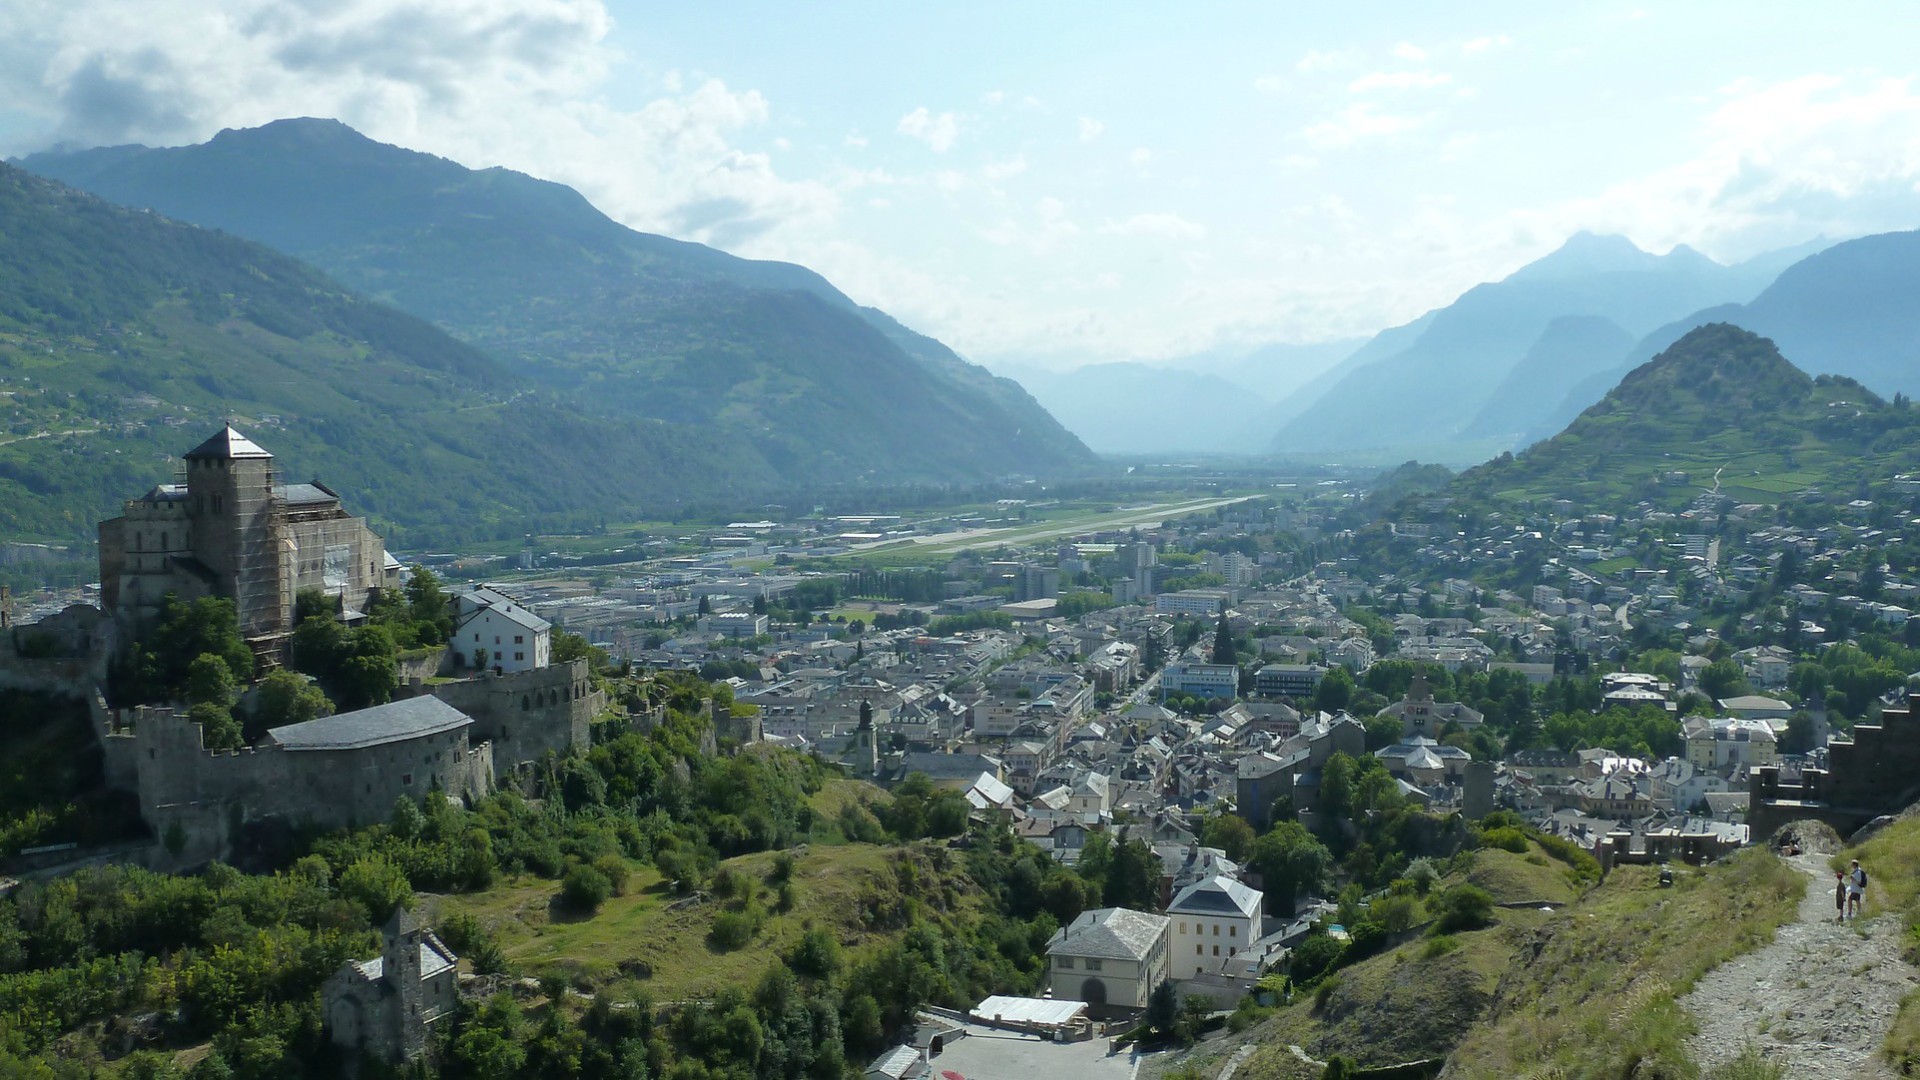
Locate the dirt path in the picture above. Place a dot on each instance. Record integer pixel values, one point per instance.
(1818, 1000)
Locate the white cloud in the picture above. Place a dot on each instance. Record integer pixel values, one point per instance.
(855, 140)
(993, 97)
(1167, 226)
(937, 130)
(1140, 157)
(1357, 122)
(1484, 44)
(1406, 50)
(1399, 80)
(1316, 60)
(1090, 129)
(995, 171)
(1049, 229)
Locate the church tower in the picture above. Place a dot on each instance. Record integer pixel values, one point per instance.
(402, 939)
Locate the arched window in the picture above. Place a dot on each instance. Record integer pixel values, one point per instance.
(524, 703)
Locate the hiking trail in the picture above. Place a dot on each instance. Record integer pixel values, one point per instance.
(1817, 1000)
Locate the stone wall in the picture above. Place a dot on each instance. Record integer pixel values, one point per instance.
(527, 713)
(208, 794)
(1877, 773)
(65, 654)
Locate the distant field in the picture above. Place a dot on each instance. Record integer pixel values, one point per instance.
(920, 548)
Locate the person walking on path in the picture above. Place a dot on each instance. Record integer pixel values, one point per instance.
(1840, 891)
(1856, 889)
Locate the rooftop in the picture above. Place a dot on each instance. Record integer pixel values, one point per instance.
(395, 721)
(227, 445)
(1217, 894)
(1110, 933)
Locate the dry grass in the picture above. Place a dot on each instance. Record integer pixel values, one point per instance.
(1892, 861)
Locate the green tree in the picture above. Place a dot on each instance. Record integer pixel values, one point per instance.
(1290, 861)
(284, 697)
(429, 606)
(218, 729)
(210, 681)
(1723, 679)
(1133, 876)
(1335, 691)
(1231, 834)
(1223, 648)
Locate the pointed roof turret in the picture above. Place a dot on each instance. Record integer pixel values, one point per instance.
(227, 445)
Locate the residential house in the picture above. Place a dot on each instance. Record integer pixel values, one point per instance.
(1110, 958)
(1213, 919)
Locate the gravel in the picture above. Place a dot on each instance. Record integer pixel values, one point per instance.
(1818, 1000)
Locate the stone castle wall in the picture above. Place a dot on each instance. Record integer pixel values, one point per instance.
(208, 793)
(1877, 773)
(527, 713)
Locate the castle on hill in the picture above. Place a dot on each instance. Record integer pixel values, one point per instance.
(229, 527)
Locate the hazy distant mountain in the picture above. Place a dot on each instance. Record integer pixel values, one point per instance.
(1570, 350)
(1212, 402)
(1132, 408)
(1720, 410)
(1439, 387)
(625, 324)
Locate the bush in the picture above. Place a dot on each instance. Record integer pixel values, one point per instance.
(1318, 954)
(1462, 907)
(1506, 839)
(732, 930)
(585, 888)
(1439, 946)
(616, 871)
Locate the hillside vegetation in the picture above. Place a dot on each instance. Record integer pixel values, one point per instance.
(126, 338)
(765, 361)
(1720, 411)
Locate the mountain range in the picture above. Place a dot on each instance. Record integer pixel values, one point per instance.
(1481, 372)
(768, 359)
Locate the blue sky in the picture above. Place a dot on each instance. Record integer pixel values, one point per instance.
(1066, 182)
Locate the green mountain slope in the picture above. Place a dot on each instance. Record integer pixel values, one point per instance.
(621, 323)
(125, 337)
(1721, 410)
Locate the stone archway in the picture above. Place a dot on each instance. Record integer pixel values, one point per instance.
(1094, 992)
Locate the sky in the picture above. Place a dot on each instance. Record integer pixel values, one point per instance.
(1051, 184)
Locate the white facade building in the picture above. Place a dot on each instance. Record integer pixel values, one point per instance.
(514, 638)
(1213, 920)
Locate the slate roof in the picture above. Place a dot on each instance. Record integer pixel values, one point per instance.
(1111, 934)
(410, 718)
(435, 958)
(227, 445)
(1217, 896)
(484, 599)
(304, 494)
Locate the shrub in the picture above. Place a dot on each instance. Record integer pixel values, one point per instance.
(585, 888)
(616, 871)
(732, 931)
(1462, 907)
(1506, 839)
(1439, 946)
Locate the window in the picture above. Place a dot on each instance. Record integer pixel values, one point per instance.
(1199, 950)
(407, 779)
(1183, 928)
(1233, 931)
(1216, 950)
(519, 639)
(496, 639)
(1065, 961)
(1216, 929)
(519, 656)
(1093, 964)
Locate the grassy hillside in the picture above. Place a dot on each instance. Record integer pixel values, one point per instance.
(664, 942)
(1724, 408)
(1588, 990)
(619, 323)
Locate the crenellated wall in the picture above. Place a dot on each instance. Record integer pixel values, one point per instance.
(1877, 773)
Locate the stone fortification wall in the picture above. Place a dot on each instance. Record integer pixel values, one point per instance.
(209, 793)
(1877, 773)
(527, 713)
(64, 654)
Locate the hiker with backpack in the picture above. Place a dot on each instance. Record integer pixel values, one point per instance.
(1856, 889)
